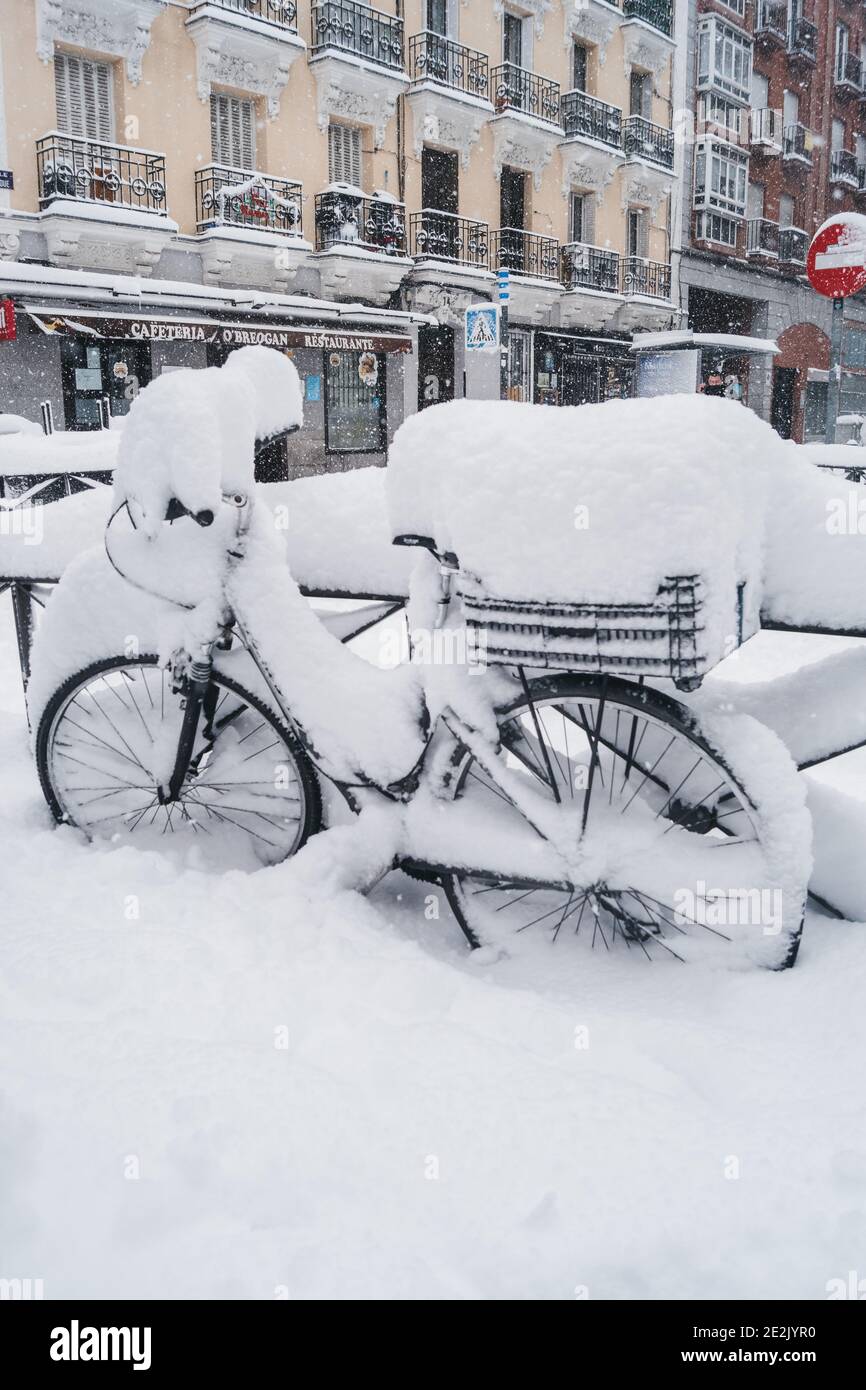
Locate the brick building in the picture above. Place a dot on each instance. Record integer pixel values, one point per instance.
(777, 105)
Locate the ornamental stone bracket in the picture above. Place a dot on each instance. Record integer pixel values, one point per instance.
(74, 238)
(592, 20)
(536, 8)
(440, 118)
(10, 240)
(647, 48)
(253, 55)
(118, 27)
(585, 167)
(229, 257)
(522, 143)
(363, 93)
(645, 186)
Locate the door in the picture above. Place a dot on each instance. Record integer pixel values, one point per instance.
(639, 94)
(435, 365)
(512, 39)
(782, 406)
(91, 372)
(437, 17)
(512, 216)
(439, 180)
(579, 67)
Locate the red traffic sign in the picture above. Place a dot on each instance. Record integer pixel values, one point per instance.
(8, 330)
(836, 264)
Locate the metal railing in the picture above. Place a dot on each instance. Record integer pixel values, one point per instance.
(98, 171)
(443, 236)
(772, 19)
(525, 253)
(658, 13)
(796, 143)
(762, 237)
(861, 178)
(360, 30)
(583, 115)
(516, 89)
(849, 72)
(793, 245)
(843, 167)
(372, 224)
(585, 267)
(243, 198)
(642, 277)
(766, 128)
(803, 40)
(284, 12)
(643, 139)
(433, 58)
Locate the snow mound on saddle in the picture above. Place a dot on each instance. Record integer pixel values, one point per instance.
(191, 434)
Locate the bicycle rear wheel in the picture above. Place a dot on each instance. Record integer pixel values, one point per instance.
(673, 855)
(108, 737)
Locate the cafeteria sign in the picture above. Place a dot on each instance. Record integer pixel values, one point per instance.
(151, 330)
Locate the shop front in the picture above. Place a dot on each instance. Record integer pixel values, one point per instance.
(569, 370)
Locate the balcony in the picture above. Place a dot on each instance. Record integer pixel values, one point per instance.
(250, 227)
(843, 169)
(765, 132)
(650, 143)
(647, 279)
(361, 244)
(526, 253)
(527, 119)
(861, 179)
(793, 246)
(646, 35)
(771, 22)
(762, 238)
(657, 13)
(797, 144)
(358, 60)
(803, 42)
(443, 236)
(585, 267)
(848, 79)
(246, 44)
(449, 93)
(81, 183)
(592, 147)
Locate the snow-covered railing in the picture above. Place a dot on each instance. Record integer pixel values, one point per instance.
(443, 236)
(433, 58)
(360, 30)
(239, 198)
(526, 253)
(643, 139)
(590, 268)
(100, 172)
(373, 224)
(284, 12)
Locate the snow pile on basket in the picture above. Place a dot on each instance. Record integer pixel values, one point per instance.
(627, 536)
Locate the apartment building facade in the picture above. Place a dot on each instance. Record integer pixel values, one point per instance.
(341, 180)
(778, 100)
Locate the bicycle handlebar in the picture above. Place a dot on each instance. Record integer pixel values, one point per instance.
(175, 510)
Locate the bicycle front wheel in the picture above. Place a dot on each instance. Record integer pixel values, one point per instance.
(107, 740)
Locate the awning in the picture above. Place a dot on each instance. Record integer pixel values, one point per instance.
(150, 328)
(729, 344)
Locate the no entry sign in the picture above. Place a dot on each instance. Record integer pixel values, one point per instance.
(836, 264)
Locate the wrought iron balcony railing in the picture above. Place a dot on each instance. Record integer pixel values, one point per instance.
(762, 237)
(797, 143)
(772, 19)
(443, 236)
(525, 253)
(861, 178)
(586, 267)
(97, 171)
(433, 58)
(766, 130)
(849, 72)
(642, 277)
(843, 168)
(793, 245)
(586, 116)
(242, 198)
(358, 29)
(642, 139)
(803, 40)
(658, 13)
(284, 12)
(371, 224)
(516, 89)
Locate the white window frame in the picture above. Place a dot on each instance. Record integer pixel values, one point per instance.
(721, 177)
(78, 69)
(724, 58)
(716, 228)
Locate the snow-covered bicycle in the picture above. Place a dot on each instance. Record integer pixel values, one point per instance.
(544, 785)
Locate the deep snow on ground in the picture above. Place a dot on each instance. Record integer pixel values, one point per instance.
(245, 1087)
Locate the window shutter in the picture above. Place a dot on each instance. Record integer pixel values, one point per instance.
(233, 131)
(84, 97)
(345, 154)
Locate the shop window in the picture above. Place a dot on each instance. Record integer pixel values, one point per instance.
(519, 365)
(233, 131)
(355, 406)
(84, 96)
(96, 373)
(344, 154)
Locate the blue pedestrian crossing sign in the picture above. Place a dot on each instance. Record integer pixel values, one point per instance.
(482, 328)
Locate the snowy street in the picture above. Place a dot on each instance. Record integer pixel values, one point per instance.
(237, 1087)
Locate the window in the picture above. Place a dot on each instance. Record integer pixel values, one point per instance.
(842, 43)
(738, 6)
(344, 154)
(791, 108)
(787, 209)
(512, 39)
(724, 58)
(355, 416)
(718, 116)
(721, 173)
(233, 131)
(437, 17)
(760, 97)
(439, 180)
(512, 198)
(755, 200)
(84, 97)
(837, 135)
(636, 232)
(710, 226)
(640, 94)
(582, 219)
(579, 67)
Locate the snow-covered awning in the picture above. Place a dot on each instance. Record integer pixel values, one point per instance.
(729, 343)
